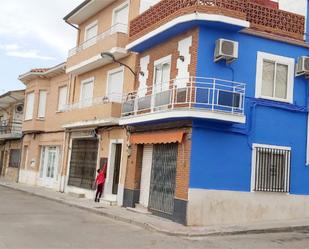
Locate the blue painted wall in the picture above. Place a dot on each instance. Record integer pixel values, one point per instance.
(221, 152)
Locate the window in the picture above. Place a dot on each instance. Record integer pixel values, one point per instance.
(121, 18)
(62, 98)
(86, 92)
(14, 158)
(42, 104)
(275, 77)
(146, 4)
(162, 71)
(91, 32)
(271, 171)
(115, 85)
(30, 106)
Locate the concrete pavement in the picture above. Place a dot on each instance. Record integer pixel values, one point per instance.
(154, 223)
(28, 221)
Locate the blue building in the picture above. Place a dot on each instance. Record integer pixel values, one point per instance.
(219, 120)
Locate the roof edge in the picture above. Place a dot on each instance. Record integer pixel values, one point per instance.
(74, 11)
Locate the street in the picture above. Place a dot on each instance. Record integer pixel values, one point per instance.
(27, 221)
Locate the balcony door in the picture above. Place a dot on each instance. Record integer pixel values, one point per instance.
(86, 95)
(115, 85)
(121, 18)
(161, 92)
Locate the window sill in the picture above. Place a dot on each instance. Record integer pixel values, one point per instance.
(40, 119)
(275, 99)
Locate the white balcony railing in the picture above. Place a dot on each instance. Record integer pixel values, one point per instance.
(111, 98)
(117, 28)
(194, 93)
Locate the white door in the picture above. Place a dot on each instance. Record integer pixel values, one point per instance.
(121, 19)
(146, 175)
(115, 85)
(49, 165)
(86, 93)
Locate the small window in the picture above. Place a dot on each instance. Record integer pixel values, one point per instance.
(86, 92)
(275, 77)
(42, 104)
(62, 98)
(14, 158)
(271, 169)
(115, 85)
(29, 106)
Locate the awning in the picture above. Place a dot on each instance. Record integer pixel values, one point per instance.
(157, 137)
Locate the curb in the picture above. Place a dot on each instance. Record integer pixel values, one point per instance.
(154, 228)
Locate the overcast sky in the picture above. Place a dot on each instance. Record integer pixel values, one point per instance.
(32, 34)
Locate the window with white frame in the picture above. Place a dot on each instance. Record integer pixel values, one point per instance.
(62, 97)
(275, 77)
(121, 18)
(86, 96)
(271, 168)
(162, 72)
(115, 85)
(29, 106)
(42, 104)
(91, 32)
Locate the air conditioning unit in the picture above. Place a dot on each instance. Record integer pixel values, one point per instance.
(302, 67)
(226, 50)
(19, 109)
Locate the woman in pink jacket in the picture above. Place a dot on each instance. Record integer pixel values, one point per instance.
(100, 180)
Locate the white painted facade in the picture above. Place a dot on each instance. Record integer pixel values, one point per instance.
(218, 207)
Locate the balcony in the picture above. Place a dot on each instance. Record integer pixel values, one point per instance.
(168, 15)
(101, 111)
(10, 129)
(87, 56)
(202, 98)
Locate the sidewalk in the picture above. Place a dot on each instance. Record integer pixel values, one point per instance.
(154, 223)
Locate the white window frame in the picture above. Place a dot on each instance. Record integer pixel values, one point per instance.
(253, 163)
(89, 26)
(290, 62)
(42, 112)
(115, 70)
(59, 108)
(166, 59)
(81, 101)
(27, 106)
(115, 28)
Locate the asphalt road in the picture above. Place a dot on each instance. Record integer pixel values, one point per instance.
(31, 222)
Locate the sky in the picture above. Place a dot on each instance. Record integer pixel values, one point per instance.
(33, 35)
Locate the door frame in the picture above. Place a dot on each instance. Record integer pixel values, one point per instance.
(108, 189)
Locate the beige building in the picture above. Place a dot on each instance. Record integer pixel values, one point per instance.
(11, 114)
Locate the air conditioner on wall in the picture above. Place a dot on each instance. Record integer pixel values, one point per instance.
(302, 67)
(226, 50)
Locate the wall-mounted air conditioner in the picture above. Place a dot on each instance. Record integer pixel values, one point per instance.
(302, 67)
(226, 50)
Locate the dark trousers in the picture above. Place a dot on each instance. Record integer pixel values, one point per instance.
(99, 191)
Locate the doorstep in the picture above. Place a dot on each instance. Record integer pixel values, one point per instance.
(154, 223)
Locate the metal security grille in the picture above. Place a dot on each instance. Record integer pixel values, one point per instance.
(272, 170)
(83, 163)
(14, 158)
(163, 178)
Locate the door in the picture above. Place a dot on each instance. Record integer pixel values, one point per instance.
(121, 19)
(161, 90)
(118, 149)
(87, 93)
(163, 178)
(115, 85)
(83, 164)
(1, 161)
(146, 175)
(49, 165)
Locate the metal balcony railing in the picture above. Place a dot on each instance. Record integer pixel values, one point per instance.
(194, 93)
(13, 127)
(261, 17)
(111, 98)
(117, 28)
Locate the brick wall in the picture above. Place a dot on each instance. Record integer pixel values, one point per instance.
(170, 47)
